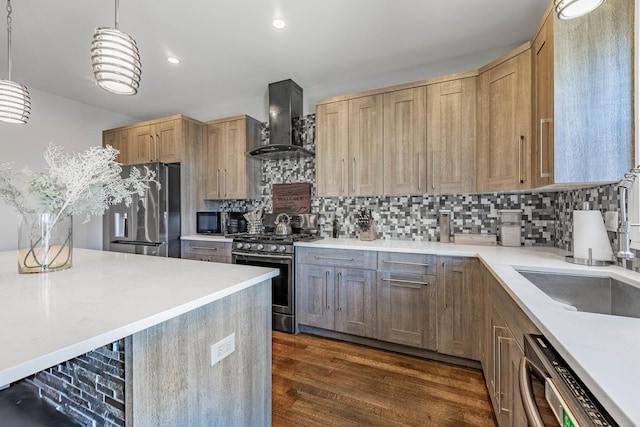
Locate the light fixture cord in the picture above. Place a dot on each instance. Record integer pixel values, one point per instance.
(9, 39)
(117, 13)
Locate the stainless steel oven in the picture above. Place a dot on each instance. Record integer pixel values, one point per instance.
(282, 289)
(552, 394)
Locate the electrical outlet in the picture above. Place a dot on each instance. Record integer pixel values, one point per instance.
(223, 348)
(611, 220)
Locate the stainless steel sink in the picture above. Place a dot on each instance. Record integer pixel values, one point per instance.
(593, 294)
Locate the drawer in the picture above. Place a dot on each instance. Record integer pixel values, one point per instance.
(337, 257)
(407, 263)
(199, 247)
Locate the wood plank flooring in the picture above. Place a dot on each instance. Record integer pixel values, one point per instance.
(323, 382)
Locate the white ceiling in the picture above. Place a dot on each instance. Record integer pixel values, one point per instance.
(230, 51)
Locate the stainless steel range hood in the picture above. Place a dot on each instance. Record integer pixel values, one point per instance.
(285, 128)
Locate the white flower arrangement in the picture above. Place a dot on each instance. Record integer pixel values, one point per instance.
(74, 183)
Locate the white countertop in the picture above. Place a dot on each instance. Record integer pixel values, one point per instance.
(207, 238)
(603, 350)
(48, 318)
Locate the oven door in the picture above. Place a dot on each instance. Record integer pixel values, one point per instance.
(282, 285)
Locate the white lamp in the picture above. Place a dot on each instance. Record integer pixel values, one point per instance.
(15, 102)
(116, 60)
(569, 9)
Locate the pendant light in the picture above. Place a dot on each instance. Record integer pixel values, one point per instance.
(569, 9)
(15, 102)
(116, 60)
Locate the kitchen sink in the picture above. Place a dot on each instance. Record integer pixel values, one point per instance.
(593, 294)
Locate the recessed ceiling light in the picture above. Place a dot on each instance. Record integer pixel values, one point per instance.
(173, 60)
(279, 23)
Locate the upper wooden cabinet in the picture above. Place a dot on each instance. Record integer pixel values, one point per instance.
(228, 173)
(160, 140)
(405, 142)
(504, 123)
(349, 148)
(543, 103)
(451, 136)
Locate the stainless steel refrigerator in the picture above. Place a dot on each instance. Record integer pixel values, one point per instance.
(151, 224)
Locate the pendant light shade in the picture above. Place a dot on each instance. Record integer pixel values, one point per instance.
(15, 102)
(116, 60)
(569, 9)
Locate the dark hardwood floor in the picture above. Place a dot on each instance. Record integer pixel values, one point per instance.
(323, 382)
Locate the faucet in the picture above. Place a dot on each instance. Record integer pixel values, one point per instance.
(624, 229)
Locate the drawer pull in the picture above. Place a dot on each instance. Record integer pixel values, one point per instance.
(206, 248)
(413, 282)
(406, 263)
(333, 258)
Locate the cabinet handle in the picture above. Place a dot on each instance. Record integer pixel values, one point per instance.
(156, 146)
(225, 183)
(444, 279)
(521, 160)
(354, 175)
(542, 123)
(150, 144)
(433, 170)
(493, 348)
(406, 263)
(206, 248)
(413, 282)
(218, 182)
(500, 392)
(326, 289)
(333, 258)
(342, 176)
(339, 282)
(419, 180)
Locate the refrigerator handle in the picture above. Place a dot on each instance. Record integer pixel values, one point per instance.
(120, 224)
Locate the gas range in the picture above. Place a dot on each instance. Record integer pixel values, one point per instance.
(269, 243)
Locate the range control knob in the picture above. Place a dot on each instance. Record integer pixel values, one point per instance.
(259, 246)
(273, 248)
(282, 248)
(239, 245)
(247, 246)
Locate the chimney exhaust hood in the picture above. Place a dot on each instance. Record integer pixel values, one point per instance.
(285, 127)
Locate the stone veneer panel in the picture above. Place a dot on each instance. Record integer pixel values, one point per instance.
(88, 388)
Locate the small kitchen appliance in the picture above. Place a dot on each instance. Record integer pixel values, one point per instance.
(273, 250)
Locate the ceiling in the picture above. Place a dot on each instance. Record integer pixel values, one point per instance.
(230, 51)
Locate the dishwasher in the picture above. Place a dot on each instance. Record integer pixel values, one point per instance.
(564, 394)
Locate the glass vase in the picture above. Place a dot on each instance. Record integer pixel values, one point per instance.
(44, 242)
(370, 234)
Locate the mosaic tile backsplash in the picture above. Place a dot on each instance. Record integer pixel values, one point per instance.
(546, 216)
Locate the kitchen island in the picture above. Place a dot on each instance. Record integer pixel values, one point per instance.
(602, 349)
(171, 311)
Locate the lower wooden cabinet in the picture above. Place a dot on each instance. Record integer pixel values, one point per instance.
(337, 299)
(407, 309)
(207, 251)
(460, 296)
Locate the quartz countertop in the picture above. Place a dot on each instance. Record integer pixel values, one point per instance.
(48, 318)
(603, 350)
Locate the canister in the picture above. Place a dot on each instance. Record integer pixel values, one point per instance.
(510, 227)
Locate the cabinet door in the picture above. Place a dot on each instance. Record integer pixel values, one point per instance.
(234, 167)
(543, 105)
(118, 139)
(365, 159)
(451, 136)
(168, 141)
(405, 142)
(214, 153)
(459, 307)
(406, 309)
(332, 149)
(504, 117)
(355, 301)
(315, 294)
(142, 147)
